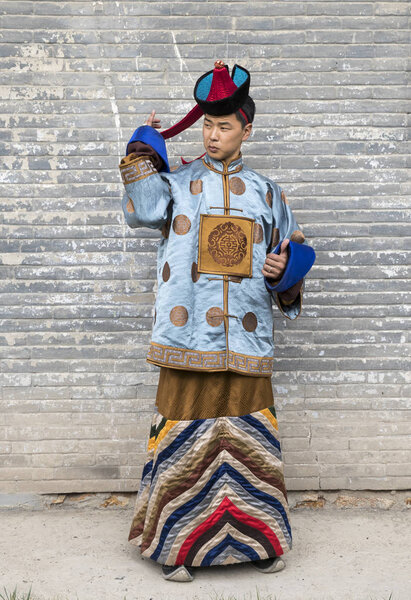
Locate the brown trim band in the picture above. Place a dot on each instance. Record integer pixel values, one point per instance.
(200, 360)
(134, 168)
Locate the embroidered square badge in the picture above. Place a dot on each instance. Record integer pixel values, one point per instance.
(225, 245)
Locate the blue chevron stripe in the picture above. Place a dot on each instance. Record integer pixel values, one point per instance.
(175, 444)
(225, 468)
(147, 468)
(262, 429)
(228, 541)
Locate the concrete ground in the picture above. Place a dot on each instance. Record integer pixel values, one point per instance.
(347, 546)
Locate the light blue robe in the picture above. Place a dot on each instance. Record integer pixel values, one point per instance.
(201, 321)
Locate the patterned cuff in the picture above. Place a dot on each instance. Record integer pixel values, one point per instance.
(134, 168)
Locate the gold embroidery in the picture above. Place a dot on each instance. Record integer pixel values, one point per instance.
(237, 186)
(181, 224)
(165, 230)
(166, 271)
(199, 360)
(214, 316)
(297, 236)
(225, 245)
(250, 321)
(275, 237)
(195, 276)
(179, 316)
(258, 233)
(196, 186)
(134, 168)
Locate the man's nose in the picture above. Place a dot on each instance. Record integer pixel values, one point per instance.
(214, 134)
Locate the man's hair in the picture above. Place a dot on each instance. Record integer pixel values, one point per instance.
(249, 108)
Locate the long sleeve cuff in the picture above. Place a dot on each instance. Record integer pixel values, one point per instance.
(141, 149)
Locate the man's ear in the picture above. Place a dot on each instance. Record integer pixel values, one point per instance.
(247, 131)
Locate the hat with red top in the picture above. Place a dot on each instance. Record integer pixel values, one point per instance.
(216, 93)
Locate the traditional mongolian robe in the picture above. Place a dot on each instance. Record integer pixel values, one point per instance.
(212, 489)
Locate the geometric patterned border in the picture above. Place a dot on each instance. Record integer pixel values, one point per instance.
(198, 360)
(134, 168)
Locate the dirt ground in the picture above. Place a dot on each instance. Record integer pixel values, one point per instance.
(345, 547)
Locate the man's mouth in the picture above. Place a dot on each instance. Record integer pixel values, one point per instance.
(213, 148)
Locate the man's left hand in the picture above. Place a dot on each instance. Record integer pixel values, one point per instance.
(275, 264)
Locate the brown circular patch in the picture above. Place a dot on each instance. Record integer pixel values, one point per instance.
(179, 316)
(297, 236)
(227, 244)
(249, 321)
(275, 238)
(195, 275)
(130, 206)
(269, 198)
(181, 224)
(196, 186)
(214, 316)
(258, 233)
(284, 197)
(166, 271)
(237, 186)
(165, 230)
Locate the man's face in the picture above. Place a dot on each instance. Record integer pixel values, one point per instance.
(223, 136)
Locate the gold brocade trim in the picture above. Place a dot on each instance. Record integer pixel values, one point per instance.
(236, 170)
(225, 245)
(199, 360)
(134, 168)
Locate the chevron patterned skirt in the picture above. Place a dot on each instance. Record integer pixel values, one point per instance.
(212, 491)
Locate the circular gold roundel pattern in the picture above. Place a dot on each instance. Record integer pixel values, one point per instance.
(196, 186)
(237, 186)
(181, 224)
(258, 233)
(275, 237)
(179, 316)
(214, 316)
(166, 271)
(249, 321)
(297, 236)
(269, 198)
(195, 275)
(227, 244)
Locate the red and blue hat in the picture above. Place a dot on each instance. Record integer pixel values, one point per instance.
(216, 93)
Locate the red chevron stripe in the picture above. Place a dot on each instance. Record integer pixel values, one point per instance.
(226, 504)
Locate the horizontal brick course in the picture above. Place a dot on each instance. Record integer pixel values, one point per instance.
(77, 286)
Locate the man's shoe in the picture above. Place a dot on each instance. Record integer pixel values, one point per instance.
(178, 573)
(269, 565)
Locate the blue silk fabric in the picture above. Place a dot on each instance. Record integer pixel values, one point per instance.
(200, 322)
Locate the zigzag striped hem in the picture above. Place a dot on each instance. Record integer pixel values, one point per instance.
(212, 492)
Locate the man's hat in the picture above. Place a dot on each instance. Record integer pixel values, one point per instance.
(216, 93)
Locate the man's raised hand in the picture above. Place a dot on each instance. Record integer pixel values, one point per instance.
(153, 121)
(275, 264)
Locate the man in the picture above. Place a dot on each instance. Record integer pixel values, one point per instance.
(212, 489)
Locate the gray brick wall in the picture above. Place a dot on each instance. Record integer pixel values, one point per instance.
(77, 286)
